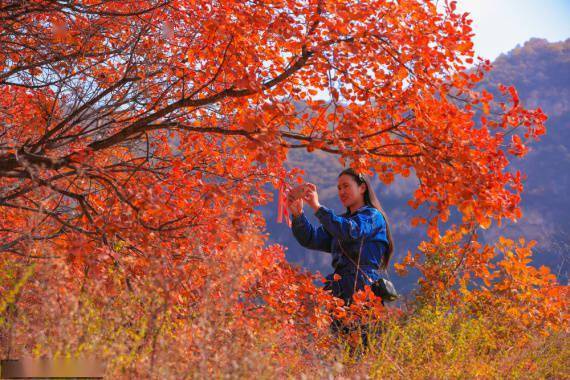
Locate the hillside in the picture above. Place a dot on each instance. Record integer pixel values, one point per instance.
(541, 73)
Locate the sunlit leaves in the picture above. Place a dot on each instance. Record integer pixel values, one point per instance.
(140, 136)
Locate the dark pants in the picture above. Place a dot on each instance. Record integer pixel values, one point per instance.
(344, 289)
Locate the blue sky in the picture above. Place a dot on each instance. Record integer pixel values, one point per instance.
(500, 25)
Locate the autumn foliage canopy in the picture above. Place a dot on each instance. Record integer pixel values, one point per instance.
(136, 137)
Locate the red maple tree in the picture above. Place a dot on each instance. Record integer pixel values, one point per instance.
(140, 135)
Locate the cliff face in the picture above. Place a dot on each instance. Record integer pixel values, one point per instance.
(541, 73)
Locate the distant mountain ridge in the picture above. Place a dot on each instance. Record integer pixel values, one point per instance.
(540, 71)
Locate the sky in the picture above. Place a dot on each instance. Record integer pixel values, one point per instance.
(501, 25)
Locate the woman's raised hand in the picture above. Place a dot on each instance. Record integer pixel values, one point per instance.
(311, 196)
(298, 191)
(295, 205)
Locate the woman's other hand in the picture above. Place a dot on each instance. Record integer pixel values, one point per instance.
(311, 196)
(298, 191)
(295, 206)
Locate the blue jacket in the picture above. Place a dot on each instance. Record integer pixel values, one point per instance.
(367, 226)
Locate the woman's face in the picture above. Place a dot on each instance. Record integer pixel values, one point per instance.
(349, 192)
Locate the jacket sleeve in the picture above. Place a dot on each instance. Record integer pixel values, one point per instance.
(364, 224)
(310, 237)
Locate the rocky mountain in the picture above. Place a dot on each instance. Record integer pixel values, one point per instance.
(541, 73)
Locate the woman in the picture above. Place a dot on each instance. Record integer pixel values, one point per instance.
(362, 228)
